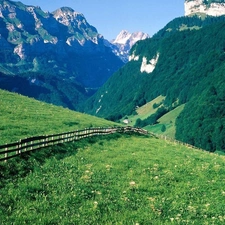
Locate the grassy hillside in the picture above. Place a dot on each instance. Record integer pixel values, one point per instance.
(148, 108)
(118, 180)
(24, 117)
(189, 70)
(144, 111)
(168, 121)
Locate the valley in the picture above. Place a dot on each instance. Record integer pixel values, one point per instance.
(59, 75)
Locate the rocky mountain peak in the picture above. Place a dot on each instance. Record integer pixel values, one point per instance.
(208, 7)
(122, 37)
(124, 41)
(68, 16)
(77, 25)
(125, 37)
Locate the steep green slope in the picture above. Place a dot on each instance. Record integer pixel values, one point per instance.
(186, 58)
(202, 122)
(119, 180)
(194, 22)
(187, 65)
(24, 117)
(144, 111)
(166, 125)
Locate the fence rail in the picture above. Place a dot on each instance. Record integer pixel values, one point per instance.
(172, 140)
(11, 150)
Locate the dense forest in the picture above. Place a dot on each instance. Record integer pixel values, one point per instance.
(190, 70)
(187, 23)
(202, 122)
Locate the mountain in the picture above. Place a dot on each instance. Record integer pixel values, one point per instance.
(208, 7)
(56, 57)
(123, 43)
(184, 62)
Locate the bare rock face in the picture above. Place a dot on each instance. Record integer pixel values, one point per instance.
(208, 7)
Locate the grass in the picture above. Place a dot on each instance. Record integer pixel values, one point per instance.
(146, 110)
(24, 117)
(148, 107)
(119, 179)
(168, 120)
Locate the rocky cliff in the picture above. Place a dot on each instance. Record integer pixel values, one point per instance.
(208, 7)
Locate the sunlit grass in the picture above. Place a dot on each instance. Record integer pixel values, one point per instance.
(24, 117)
(169, 121)
(120, 180)
(146, 110)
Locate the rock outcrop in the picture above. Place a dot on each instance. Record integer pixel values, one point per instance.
(208, 7)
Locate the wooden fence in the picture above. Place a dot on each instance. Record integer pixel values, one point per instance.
(167, 138)
(8, 151)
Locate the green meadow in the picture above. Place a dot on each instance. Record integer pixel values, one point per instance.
(114, 179)
(118, 179)
(168, 121)
(146, 110)
(25, 117)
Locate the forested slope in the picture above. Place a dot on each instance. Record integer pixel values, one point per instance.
(190, 63)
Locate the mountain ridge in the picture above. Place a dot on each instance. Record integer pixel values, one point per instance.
(57, 49)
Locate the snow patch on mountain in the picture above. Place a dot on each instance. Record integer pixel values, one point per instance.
(134, 57)
(98, 109)
(149, 67)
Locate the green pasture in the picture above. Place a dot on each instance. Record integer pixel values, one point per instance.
(146, 110)
(25, 117)
(168, 121)
(118, 179)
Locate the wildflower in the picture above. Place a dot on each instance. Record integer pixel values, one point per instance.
(95, 204)
(132, 183)
(108, 167)
(151, 199)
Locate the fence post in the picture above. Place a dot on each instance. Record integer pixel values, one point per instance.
(31, 148)
(52, 140)
(25, 149)
(76, 138)
(19, 146)
(6, 154)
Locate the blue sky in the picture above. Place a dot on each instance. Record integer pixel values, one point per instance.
(112, 16)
